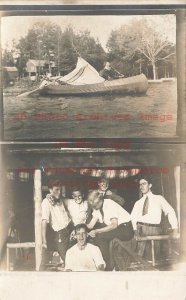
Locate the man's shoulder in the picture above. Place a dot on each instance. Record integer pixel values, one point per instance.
(85, 203)
(109, 201)
(157, 196)
(69, 202)
(72, 249)
(139, 201)
(45, 201)
(92, 247)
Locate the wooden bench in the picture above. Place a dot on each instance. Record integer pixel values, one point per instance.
(16, 246)
(157, 238)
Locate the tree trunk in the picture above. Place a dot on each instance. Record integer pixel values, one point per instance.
(154, 70)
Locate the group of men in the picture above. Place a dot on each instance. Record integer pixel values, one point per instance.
(84, 228)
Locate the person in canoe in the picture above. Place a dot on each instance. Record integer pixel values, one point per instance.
(110, 73)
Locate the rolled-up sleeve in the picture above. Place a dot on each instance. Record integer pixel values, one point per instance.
(68, 261)
(98, 258)
(169, 212)
(45, 211)
(134, 216)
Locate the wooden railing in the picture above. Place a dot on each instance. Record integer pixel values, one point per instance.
(154, 238)
(16, 246)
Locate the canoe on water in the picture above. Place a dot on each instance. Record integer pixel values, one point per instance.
(85, 80)
(131, 85)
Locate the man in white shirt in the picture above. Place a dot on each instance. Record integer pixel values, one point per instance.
(83, 256)
(55, 214)
(77, 207)
(146, 217)
(116, 223)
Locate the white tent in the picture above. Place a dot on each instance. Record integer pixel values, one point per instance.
(84, 73)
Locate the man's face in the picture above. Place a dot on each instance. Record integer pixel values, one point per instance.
(144, 186)
(77, 196)
(55, 191)
(103, 185)
(81, 236)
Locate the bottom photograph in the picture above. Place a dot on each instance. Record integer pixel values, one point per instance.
(90, 210)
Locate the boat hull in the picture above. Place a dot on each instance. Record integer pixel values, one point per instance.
(131, 85)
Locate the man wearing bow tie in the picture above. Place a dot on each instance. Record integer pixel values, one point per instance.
(146, 217)
(55, 214)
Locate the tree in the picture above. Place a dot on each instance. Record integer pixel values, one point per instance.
(154, 48)
(81, 44)
(47, 41)
(90, 49)
(137, 45)
(7, 58)
(40, 43)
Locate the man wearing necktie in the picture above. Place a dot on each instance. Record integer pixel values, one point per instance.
(146, 217)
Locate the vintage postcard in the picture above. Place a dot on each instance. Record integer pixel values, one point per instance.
(89, 210)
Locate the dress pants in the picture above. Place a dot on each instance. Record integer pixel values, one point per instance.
(62, 243)
(124, 232)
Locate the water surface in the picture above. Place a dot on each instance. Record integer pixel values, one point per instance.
(92, 117)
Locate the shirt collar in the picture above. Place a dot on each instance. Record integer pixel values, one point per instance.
(149, 194)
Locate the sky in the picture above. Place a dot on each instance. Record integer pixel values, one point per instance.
(15, 27)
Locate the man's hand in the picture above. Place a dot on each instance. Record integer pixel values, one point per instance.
(72, 235)
(109, 193)
(92, 233)
(174, 233)
(44, 245)
(101, 268)
(136, 235)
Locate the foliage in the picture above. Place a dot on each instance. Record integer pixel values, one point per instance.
(48, 42)
(136, 46)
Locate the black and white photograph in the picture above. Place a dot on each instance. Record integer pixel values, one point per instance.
(89, 76)
(91, 211)
(92, 150)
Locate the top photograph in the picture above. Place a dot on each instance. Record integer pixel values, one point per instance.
(90, 76)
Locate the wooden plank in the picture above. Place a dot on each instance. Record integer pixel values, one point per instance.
(157, 238)
(37, 202)
(21, 245)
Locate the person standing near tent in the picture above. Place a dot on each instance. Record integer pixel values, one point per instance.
(146, 217)
(55, 214)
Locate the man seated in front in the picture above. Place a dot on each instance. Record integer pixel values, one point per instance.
(83, 256)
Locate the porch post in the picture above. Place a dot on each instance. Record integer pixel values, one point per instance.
(37, 205)
(177, 184)
(1, 94)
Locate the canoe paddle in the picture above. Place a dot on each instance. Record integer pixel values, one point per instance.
(29, 93)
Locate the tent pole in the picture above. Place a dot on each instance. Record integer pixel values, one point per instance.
(37, 205)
